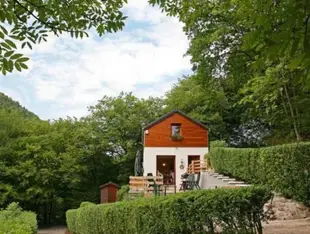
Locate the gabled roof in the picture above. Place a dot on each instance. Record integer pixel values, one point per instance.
(109, 184)
(170, 114)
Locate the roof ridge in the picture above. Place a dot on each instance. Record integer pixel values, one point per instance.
(171, 113)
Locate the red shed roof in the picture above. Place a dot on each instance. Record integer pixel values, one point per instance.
(109, 184)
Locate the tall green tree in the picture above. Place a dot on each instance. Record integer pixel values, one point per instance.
(37, 168)
(49, 167)
(118, 123)
(207, 104)
(24, 23)
(260, 52)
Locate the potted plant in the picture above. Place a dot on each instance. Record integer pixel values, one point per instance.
(176, 137)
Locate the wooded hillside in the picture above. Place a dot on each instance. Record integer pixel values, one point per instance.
(8, 103)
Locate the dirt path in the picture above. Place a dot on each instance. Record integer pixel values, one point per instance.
(299, 226)
(53, 230)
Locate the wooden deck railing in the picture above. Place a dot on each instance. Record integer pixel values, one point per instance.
(143, 183)
(197, 166)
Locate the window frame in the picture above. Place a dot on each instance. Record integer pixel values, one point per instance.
(172, 129)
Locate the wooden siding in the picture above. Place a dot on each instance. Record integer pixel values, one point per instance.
(193, 135)
(108, 193)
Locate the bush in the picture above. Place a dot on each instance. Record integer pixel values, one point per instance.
(84, 204)
(70, 218)
(15, 221)
(283, 168)
(214, 144)
(70, 215)
(122, 194)
(237, 210)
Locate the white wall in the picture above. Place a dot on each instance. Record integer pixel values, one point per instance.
(150, 155)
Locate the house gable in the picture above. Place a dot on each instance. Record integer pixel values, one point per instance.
(158, 133)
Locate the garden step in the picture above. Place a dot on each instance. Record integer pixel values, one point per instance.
(228, 179)
(235, 182)
(213, 173)
(217, 175)
(242, 185)
(223, 177)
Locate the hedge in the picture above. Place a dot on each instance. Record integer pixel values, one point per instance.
(15, 221)
(283, 168)
(238, 210)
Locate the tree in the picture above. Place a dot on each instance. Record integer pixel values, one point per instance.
(28, 22)
(50, 167)
(260, 52)
(37, 167)
(271, 29)
(117, 123)
(207, 104)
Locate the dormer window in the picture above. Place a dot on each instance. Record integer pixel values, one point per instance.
(175, 129)
(176, 132)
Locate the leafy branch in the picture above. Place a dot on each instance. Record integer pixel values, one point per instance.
(29, 21)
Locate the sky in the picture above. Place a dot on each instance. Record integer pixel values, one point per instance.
(67, 75)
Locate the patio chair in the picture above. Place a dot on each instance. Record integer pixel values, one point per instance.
(152, 183)
(191, 181)
(197, 181)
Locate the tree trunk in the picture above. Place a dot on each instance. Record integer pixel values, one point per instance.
(296, 110)
(298, 138)
(45, 213)
(50, 213)
(284, 104)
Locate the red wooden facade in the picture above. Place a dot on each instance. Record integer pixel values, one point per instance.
(108, 192)
(158, 134)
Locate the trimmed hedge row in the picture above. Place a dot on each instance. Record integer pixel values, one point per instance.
(237, 210)
(15, 221)
(283, 168)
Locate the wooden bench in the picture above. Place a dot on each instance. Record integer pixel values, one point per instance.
(136, 184)
(143, 184)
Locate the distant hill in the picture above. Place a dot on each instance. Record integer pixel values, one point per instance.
(8, 103)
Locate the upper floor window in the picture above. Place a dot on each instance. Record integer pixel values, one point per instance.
(175, 129)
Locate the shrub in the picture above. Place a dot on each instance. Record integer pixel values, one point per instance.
(214, 144)
(208, 161)
(70, 219)
(70, 215)
(237, 210)
(84, 204)
(283, 168)
(122, 194)
(15, 221)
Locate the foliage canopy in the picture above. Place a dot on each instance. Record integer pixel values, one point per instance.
(51, 166)
(256, 55)
(24, 23)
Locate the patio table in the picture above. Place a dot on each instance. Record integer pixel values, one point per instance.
(184, 184)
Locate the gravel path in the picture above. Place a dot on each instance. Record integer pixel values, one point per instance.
(53, 230)
(298, 226)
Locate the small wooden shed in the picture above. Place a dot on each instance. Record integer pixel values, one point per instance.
(108, 192)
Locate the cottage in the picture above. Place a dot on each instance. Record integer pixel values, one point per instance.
(171, 143)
